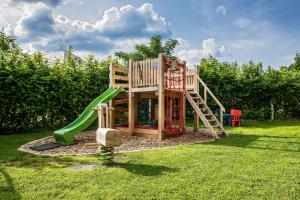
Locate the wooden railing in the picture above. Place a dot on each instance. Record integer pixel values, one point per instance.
(145, 73)
(190, 82)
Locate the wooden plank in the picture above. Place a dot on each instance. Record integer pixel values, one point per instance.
(124, 85)
(120, 101)
(145, 131)
(146, 95)
(145, 89)
(152, 136)
(122, 70)
(122, 95)
(123, 78)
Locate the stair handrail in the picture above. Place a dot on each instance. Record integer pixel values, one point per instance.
(207, 90)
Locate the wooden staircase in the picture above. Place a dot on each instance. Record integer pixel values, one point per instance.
(199, 104)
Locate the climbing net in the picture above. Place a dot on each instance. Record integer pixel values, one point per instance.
(174, 95)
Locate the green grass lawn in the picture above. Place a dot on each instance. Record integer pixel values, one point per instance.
(258, 161)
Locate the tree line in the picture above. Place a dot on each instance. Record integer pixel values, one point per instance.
(38, 94)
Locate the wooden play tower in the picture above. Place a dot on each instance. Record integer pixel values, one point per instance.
(154, 104)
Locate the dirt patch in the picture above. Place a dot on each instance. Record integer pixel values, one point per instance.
(129, 143)
(82, 167)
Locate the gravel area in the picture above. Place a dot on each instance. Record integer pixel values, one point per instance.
(129, 143)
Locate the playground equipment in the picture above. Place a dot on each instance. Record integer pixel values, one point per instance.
(162, 86)
(149, 100)
(66, 134)
(106, 137)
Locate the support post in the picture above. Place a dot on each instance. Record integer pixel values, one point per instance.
(131, 101)
(205, 95)
(196, 87)
(111, 84)
(161, 98)
(183, 96)
(221, 117)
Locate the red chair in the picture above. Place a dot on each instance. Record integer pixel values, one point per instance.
(235, 117)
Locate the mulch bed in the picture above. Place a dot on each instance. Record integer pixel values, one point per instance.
(129, 143)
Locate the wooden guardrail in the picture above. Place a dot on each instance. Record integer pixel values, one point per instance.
(145, 73)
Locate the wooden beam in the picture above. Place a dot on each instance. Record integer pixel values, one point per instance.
(120, 101)
(122, 70)
(123, 95)
(111, 75)
(146, 96)
(161, 98)
(119, 77)
(146, 131)
(131, 101)
(184, 87)
(124, 85)
(145, 89)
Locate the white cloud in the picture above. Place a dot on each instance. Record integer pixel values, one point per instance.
(221, 9)
(242, 22)
(209, 47)
(128, 20)
(44, 30)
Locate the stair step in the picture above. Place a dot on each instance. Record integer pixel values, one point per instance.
(207, 114)
(211, 120)
(196, 97)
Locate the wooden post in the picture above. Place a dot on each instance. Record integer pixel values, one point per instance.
(99, 118)
(131, 101)
(112, 74)
(111, 84)
(205, 95)
(196, 87)
(183, 97)
(221, 117)
(161, 98)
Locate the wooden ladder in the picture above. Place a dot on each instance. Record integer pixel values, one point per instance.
(199, 104)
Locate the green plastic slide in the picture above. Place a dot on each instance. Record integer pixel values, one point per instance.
(66, 134)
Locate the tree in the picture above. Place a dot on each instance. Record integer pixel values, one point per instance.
(8, 43)
(155, 47)
(296, 64)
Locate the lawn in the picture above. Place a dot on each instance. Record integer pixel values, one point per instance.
(258, 161)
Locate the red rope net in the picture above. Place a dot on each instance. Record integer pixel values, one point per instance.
(174, 94)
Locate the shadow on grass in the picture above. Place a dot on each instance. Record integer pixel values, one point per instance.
(8, 191)
(263, 142)
(145, 170)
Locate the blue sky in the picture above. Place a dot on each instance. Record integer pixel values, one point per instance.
(260, 30)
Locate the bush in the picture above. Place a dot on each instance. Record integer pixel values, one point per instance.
(37, 95)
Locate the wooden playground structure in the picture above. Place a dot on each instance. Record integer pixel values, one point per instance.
(154, 102)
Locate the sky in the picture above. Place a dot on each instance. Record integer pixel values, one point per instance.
(260, 30)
